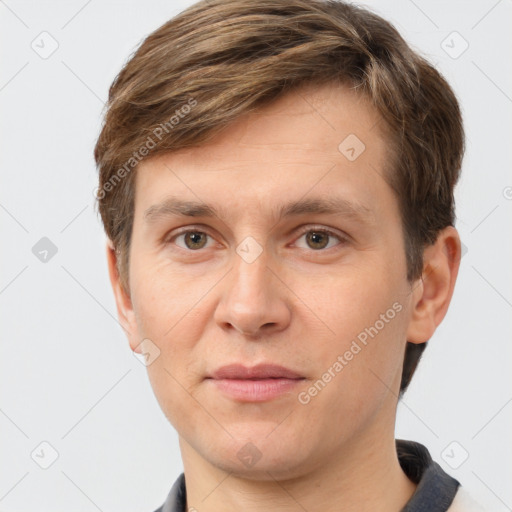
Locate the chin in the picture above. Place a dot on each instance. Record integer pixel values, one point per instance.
(258, 457)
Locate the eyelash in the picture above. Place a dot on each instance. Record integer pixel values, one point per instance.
(317, 229)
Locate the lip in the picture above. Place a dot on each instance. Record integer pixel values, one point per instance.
(260, 371)
(255, 384)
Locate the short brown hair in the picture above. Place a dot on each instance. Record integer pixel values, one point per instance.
(219, 59)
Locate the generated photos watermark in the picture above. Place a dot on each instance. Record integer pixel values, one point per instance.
(356, 346)
(158, 132)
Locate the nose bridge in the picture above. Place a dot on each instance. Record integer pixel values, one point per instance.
(250, 280)
(250, 299)
(250, 274)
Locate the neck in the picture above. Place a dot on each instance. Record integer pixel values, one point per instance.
(363, 475)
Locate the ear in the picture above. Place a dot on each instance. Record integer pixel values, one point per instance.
(433, 292)
(125, 311)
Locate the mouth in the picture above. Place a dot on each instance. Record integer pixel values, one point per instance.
(254, 384)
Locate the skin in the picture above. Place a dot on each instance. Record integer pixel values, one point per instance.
(296, 305)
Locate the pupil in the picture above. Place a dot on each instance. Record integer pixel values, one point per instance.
(314, 237)
(195, 238)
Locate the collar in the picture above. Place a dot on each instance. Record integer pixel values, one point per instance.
(436, 489)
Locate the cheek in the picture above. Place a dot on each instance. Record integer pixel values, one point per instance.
(171, 310)
(165, 299)
(359, 355)
(346, 303)
(354, 381)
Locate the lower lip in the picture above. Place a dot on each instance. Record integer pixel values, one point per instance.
(246, 390)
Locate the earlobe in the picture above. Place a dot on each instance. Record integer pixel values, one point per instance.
(432, 293)
(124, 305)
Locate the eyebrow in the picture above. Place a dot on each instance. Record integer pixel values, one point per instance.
(176, 207)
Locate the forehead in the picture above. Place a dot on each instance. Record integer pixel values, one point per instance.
(312, 119)
(322, 138)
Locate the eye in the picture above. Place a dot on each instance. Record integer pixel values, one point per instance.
(193, 239)
(320, 238)
(316, 238)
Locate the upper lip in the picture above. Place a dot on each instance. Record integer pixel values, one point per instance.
(260, 371)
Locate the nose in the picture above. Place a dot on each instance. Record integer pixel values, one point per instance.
(254, 301)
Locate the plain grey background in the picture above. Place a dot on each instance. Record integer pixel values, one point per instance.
(68, 377)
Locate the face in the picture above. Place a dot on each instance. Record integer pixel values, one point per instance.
(298, 261)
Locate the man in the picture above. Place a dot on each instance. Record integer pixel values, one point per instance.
(276, 184)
